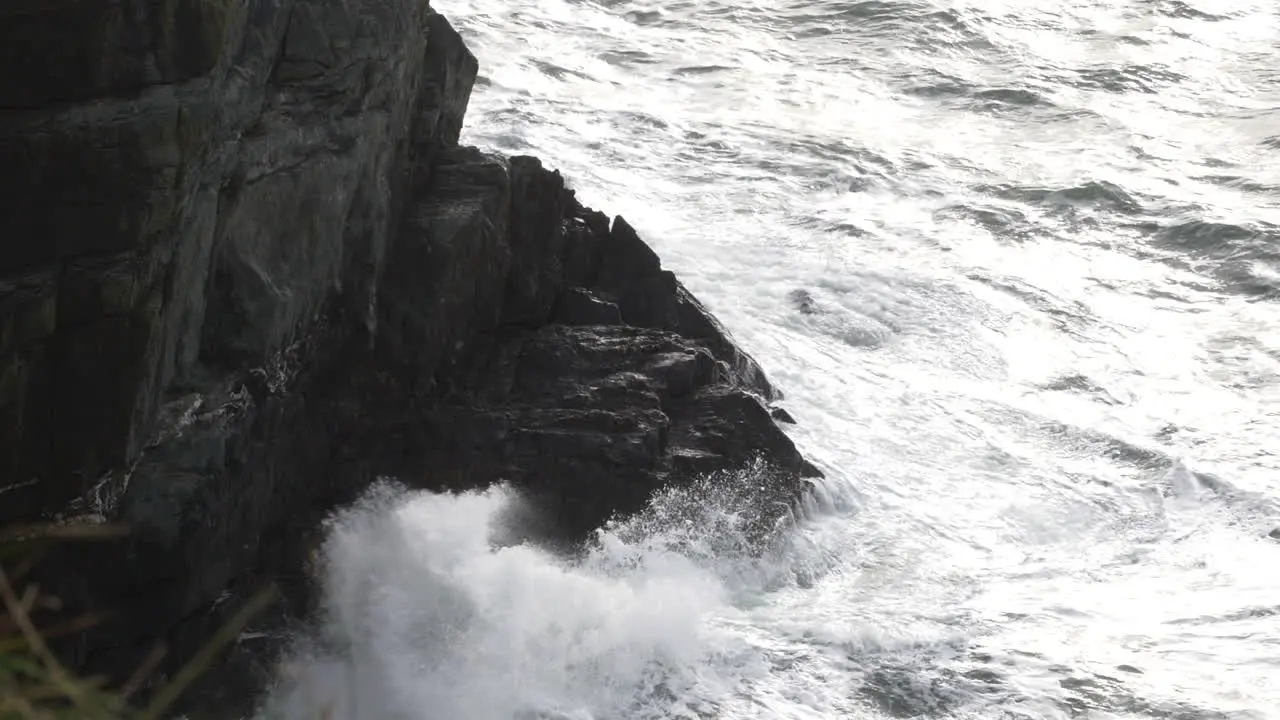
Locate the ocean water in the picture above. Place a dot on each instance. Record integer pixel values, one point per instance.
(1016, 266)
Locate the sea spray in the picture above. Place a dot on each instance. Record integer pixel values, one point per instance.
(426, 616)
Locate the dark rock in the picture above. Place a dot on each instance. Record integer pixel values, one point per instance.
(628, 259)
(782, 416)
(191, 35)
(247, 270)
(1274, 534)
(695, 322)
(804, 302)
(69, 51)
(441, 298)
(448, 75)
(77, 51)
(538, 207)
(579, 306)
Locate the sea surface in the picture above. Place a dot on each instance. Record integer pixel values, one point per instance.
(1015, 265)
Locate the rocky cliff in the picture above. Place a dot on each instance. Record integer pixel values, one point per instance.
(246, 268)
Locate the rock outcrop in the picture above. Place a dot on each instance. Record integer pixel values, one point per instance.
(246, 269)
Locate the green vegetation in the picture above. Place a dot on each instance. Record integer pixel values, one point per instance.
(34, 685)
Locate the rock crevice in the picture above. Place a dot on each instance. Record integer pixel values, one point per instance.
(247, 269)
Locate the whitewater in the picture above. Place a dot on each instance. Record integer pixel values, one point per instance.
(1014, 264)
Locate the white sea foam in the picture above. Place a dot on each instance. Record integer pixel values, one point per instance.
(428, 615)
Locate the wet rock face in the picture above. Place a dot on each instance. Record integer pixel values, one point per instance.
(535, 359)
(185, 185)
(246, 269)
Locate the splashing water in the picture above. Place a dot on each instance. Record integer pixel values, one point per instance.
(429, 614)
